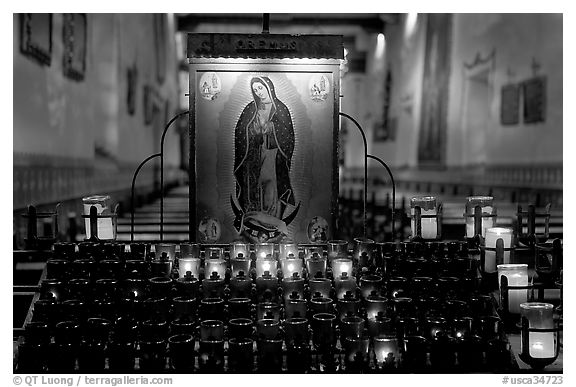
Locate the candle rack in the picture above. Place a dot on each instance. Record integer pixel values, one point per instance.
(479, 216)
(192, 305)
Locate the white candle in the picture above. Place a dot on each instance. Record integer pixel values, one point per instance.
(288, 248)
(429, 226)
(290, 266)
(341, 265)
(492, 236)
(191, 265)
(517, 275)
(239, 248)
(105, 225)
(215, 265)
(486, 206)
(541, 344)
(265, 265)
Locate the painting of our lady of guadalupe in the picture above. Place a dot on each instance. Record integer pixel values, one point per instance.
(265, 153)
(264, 201)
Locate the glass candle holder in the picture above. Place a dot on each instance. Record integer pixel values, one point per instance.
(270, 355)
(462, 327)
(435, 326)
(321, 305)
(316, 266)
(211, 330)
(424, 217)
(262, 250)
(134, 288)
(376, 305)
(421, 285)
(168, 248)
(396, 287)
(183, 308)
(211, 356)
(351, 326)
(489, 250)
(212, 266)
(213, 252)
(58, 269)
(266, 265)
(139, 251)
(402, 306)
(268, 310)
(415, 352)
(516, 275)
(188, 286)
(237, 248)
(293, 286)
(487, 214)
(362, 253)
(386, 351)
(340, 266)
(295, 308)
(290, 266)
(489, 327)
(356, 353)
(320, 287)
(161, 268)
(213, 287)
(106, 226)
(240, 263)
(241, 355)
(267, 288)
(136, 268)
(188, 264)
(212, 309)
(240, 287)
(324, 331)
(239, 308)
(379, 326)
(80, 289)
(286, 249)
(189, 250)
(240, 328)
(370, 285)
(267, 328)
(337, 249)
(296, 330)
(348, 306)
(52, 289)
(84, 268)
(181, 347)
(160, 286)
(344, 285)
(539, 335)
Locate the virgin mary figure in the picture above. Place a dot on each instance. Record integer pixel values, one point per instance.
(264, 143)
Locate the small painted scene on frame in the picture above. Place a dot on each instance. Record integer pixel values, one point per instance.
(265, 155)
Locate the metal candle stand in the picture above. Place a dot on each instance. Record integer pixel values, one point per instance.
(418, 222)
(538, 363)
(33, 241)
(490, 280)
(478, 216)
(93, 216)
(530, 238)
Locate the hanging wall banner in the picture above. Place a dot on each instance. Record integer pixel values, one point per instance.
(264, 148)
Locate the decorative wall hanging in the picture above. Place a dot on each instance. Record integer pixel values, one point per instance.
(383, 127)
(132, 83)
(432, 139)
(534, 100)
(36, 36)
(264, 135)
(160, 40)
(74, 34)
(510, 104)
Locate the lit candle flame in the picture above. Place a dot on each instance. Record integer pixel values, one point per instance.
(266, 266)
